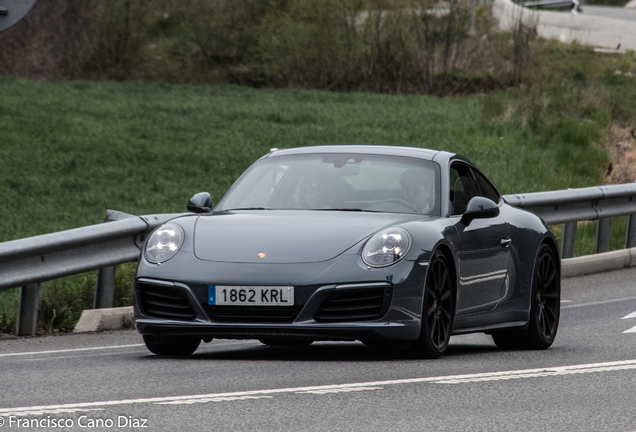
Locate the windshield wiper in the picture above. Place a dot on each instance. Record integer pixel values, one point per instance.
(312, 209)
(344, 209)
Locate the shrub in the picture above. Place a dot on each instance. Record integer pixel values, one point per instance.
(120, 29)
(50, 42)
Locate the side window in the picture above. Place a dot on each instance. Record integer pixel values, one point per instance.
(462, 188)
(487, 190)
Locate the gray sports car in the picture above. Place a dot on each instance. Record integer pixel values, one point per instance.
(391, 246)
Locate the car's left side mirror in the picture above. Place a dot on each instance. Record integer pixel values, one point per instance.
(479, 208)
(200, 203)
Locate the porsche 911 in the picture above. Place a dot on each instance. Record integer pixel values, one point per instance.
(390, 246)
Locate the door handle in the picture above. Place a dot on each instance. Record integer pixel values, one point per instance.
(506, 242)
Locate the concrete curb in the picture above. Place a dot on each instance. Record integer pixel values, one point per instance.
(631, 5)
(116, 318)
(598, 263)
(104, 319)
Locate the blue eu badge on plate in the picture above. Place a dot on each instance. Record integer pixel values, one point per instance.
(212, 295)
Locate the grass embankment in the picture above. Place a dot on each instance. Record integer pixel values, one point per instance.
(71, 150)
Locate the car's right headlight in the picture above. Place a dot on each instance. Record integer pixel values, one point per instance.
(164, 243)
(386, 247)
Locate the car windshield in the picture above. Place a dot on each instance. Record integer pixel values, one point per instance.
(346, 182)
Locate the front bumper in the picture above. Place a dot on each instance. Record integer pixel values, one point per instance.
(365, 311)
(396, 307)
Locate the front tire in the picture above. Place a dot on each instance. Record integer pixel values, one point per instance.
(438, 312)
(178, 347)
(545, 308)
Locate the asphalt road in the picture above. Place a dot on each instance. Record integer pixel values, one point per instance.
(108, 381)
(610, 12)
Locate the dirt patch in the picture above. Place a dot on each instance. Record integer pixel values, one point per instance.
(620, 146)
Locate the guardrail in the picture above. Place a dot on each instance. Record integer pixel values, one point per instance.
(550, 3)
(590, 30)
(28, 262)
(572, 205)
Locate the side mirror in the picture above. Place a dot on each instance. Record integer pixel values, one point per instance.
(479, 208)
(200, 203)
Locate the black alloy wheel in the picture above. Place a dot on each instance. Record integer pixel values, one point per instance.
(438, 313)
(178, 347)
(545, 307)
(547, 300)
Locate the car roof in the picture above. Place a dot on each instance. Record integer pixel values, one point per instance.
(420, 153)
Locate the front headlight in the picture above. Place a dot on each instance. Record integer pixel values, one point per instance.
(164, 243)
(386, 247)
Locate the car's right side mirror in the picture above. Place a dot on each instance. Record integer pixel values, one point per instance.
(479, 208)
(200, 203)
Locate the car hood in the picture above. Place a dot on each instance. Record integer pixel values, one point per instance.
(285, 236)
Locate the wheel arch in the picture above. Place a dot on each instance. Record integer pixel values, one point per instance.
(436, 326)
(450, 258)
(448, 254)
(552, 244)
(554, 247)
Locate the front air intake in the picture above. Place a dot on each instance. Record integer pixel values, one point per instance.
(363, 304)
(165, 302)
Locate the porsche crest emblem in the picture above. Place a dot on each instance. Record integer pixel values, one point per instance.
(262, 254)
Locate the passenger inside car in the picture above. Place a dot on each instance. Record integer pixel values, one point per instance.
(417, 188)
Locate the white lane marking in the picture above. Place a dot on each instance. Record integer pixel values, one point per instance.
(214, 399)
(544, 373)
(70, 350)
(107, 347)
(340, 390)
(598, 303)
(527, 373)
(59, 411)
(633, 329)
(82, 356)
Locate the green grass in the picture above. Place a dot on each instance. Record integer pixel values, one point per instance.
(72, 150)
(585, 243)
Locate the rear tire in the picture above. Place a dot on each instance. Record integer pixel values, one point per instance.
(438, 312)
(545, 308)
(178, 347)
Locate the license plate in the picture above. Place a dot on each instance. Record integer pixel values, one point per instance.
(251, 295)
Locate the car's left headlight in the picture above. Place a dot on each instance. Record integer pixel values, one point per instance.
(386, 247)
(164, 243)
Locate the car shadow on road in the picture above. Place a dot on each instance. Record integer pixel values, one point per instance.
(324, 352)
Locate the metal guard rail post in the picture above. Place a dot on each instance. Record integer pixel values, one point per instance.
(28, 262)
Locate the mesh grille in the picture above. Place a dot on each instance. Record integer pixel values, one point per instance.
(165, 302)
(354, 305)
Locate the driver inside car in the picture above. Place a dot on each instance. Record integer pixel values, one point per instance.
(314, 195)
(417, 189)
